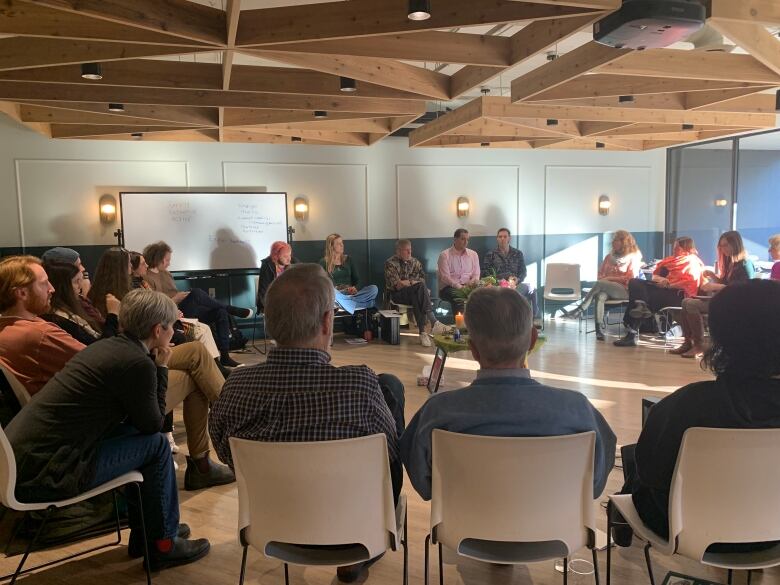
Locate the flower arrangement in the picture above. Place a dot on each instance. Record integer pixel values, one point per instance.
(485, 282)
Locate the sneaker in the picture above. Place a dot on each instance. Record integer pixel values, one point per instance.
(172, 443)
(240, 312)
(217, 474)
(228, 361)
(628, 340)
(640, 310)
(135, 546)
(182, 552)
(438, 328)
(425, 340)
(600, 335)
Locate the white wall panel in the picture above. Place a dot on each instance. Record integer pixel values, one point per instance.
(337, 194)
(59, 198)
(427, 197)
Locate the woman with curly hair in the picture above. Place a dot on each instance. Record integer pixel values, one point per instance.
(619, 266)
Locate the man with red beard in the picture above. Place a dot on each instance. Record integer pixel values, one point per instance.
(31, 348)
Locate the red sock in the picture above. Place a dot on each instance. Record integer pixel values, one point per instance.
(164, 545)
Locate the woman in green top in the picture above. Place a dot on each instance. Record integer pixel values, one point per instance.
(733, 266)
(345, 277)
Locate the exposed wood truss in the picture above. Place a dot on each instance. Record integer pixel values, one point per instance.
(185, 70)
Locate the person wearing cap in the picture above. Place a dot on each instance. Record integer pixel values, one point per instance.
(68, 256)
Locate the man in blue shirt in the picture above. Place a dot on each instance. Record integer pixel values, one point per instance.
(503, 401)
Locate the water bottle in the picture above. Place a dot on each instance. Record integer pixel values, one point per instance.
(456, 334)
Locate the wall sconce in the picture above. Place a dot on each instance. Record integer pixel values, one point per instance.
(301, 207)
(107, 206)
(604, 205)
(721, 203)
(463, 207)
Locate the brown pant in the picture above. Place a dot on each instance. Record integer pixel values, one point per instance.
(692, 321)
(195, 380)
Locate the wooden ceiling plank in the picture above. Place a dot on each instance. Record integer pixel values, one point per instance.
(760, 103)
(384, 72)
(596, 128)
(681, 64)
(53, 92)
(199, 135)
(449, 121)
(368, 125)
(42, 114)
(597, 85)
(250, 117)
(496, 128)
(438, 46)
(18, 18)
(569, 66)
(705, 100)
(173, 17)
(244, 136)
(87, 130)
(336, 20)
(23, 53)
(663, 101)
(13, 111)
(348, 138)
(754, 38)
(532, 40)
(765, 12)
(593, 4)
(171, 115)
(232, 12)
(562, 128)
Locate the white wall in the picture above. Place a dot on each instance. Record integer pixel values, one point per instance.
(54, 186)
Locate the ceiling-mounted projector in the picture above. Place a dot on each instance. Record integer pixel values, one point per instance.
(650, 24)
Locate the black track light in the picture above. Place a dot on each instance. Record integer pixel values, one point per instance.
(777, 100)
(485, 144)
(625, 99)
(116, 107)
(92, 71)
(687, 126)
(600, 145)
(347, 84)
(137, 135)
(320, 114)
(297, 139)
(552, 122)
(419, 10)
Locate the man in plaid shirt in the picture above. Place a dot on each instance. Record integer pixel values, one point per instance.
(296, 395)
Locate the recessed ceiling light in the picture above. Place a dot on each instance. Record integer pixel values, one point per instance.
(320, 114)
(419, 10)
(687, 126)
(297, 139)
(625, 99)
(116, 107)
(137, 135)
(92, 71)
(347, 84)
(485, 144)
(552, 122)
(600, 145)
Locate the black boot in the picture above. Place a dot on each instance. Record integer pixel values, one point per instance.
(599, 332)
(240, 312)
(226, 360)
(224, 369)
(628, 340)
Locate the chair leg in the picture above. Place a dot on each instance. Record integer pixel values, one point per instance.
(286, 574)
(649, 564)
(609, 541)
(565, 570)
(427, 557)
(31, 545)
(730, 576)
(147, 558)
(405, 543)
(750, 574)
(595, 565)
(243, 566)
(118, 524)
(441, 565)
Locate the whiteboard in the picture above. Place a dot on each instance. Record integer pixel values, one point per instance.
(206, 230)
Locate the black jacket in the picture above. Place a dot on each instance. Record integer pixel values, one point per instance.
(267, 276)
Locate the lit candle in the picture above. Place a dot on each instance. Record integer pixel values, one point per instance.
(459, 320)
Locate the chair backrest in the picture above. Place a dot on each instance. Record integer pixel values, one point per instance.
(16, 386)
(725, 489)
(316, 493)
(7, 473)
(563, 277)
(512, 489)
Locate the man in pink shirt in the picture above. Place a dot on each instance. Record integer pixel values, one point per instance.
(458, 266)
(31, 348)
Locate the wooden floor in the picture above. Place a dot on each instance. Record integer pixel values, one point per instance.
(614, 379)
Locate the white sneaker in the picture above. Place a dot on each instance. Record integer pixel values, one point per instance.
(438, 328)
(172, 443)
(425, 340)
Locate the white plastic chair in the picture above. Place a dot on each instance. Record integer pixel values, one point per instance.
(565, 279)
(513, 500)
(16, 386)
(297, 500)
(8, 499)
(724, 490)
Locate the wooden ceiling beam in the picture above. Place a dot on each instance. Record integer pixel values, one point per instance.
(53, 92)
(438, 46)
(346, 138)
(497, 128)
(19, 18)
(48, 115)
(187, 116)
(384, 72)
(476, 141)
(565, 68)
(706, 100)
(562, 128)
(754, 38)
(174, 135)
(446, 123)
(173, 17)
(592, 4)
(88, 130)
(23, 53)
(680, 64)
(247, 136)
(597, 128)
(533, 39)
(663, 101)
(337, 20)
(232, 12)
(14, 112)
(367, 125)
(765, 12)
(251, 117)
(760, 103)
(596, 85)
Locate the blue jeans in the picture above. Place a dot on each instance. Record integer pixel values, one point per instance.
(198, 305)
(365, 298)
(127, 450)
